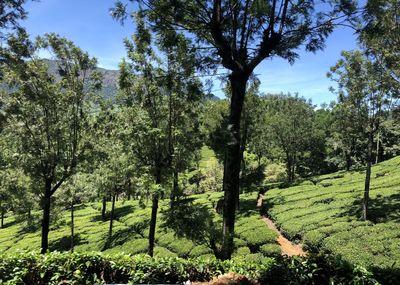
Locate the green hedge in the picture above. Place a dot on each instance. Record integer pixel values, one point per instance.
(66, 268)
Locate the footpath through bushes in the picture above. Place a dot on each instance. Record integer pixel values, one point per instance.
(76, 268)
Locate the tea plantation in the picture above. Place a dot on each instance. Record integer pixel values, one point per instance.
(325, 213)
(131, 229)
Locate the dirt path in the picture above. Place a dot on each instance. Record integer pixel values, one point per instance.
(287, 247)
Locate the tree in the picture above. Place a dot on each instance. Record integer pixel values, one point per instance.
(48, 114)
(11, 11)
(380, 34)
(77, 189)
(347, 141)
(289, 120)
(239, 35)
(115, 171)
(365, 86)
(159, 101)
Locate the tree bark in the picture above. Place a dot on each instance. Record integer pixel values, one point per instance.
(2, 219)
(175, 189)
(348, 161)
(242, 160)
(46, 217)
(153, 220)
(111, 217)
(289, 168)
(2, 214)
(377, 149)
(72, 227)
(103, 209)
(231, 178)
(367, 176)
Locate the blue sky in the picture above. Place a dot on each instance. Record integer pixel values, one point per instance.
(89, 25)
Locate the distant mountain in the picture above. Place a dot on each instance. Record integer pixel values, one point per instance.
(212, 97)
(110, 79)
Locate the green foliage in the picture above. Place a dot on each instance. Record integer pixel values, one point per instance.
(327, 218)
(211, 177)
(56, 268)
(270, 249)
(275, 173)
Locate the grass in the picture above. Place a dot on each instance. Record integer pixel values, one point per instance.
(325, 213)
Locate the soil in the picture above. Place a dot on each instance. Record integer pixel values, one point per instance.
(228, 279)
(287, 247)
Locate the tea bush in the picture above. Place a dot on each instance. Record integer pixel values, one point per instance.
(66, 268)
(326, 215)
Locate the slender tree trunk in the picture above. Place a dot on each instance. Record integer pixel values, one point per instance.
(232, 162)
(2, 219)
(103, 209)
(2, 214)
(46, 217)
(175, 188)
(367, 177)
(153, 220)
(377, 149)
(348, 161)
(129, 190)
(293, 169)
(72, 226)
(111, 217)
(289, 168)
(242, 160)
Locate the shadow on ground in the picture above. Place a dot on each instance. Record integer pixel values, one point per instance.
(119, 212)
(121, 236)
(382, 209)
(64, 243)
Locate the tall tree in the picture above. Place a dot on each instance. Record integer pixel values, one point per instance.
(11, 11)
(48, 114)
(365, 86)
(380, 35)
(289, 120)
(78, 189)
(239, 35)
(160, 106)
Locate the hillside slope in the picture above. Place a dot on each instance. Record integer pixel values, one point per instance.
(325, 212)
(130, 230)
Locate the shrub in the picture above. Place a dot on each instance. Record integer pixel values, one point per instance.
(242, 251)
(66, 268)
(270, 249)
(258, 237)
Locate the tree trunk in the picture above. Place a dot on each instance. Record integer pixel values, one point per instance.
(242, 160)
(348, 161)
(2, 219)
(367, 176)
(289, 168)
(72, 227)
(232, 162)
(46, 217)
(111, 217)
(377, 149)
(103, 209)
(175, 189)
(129, 190)
(153, 220)
(2, 215)
(293, 169)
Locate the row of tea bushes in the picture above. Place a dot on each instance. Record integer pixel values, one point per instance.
(74, 268)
